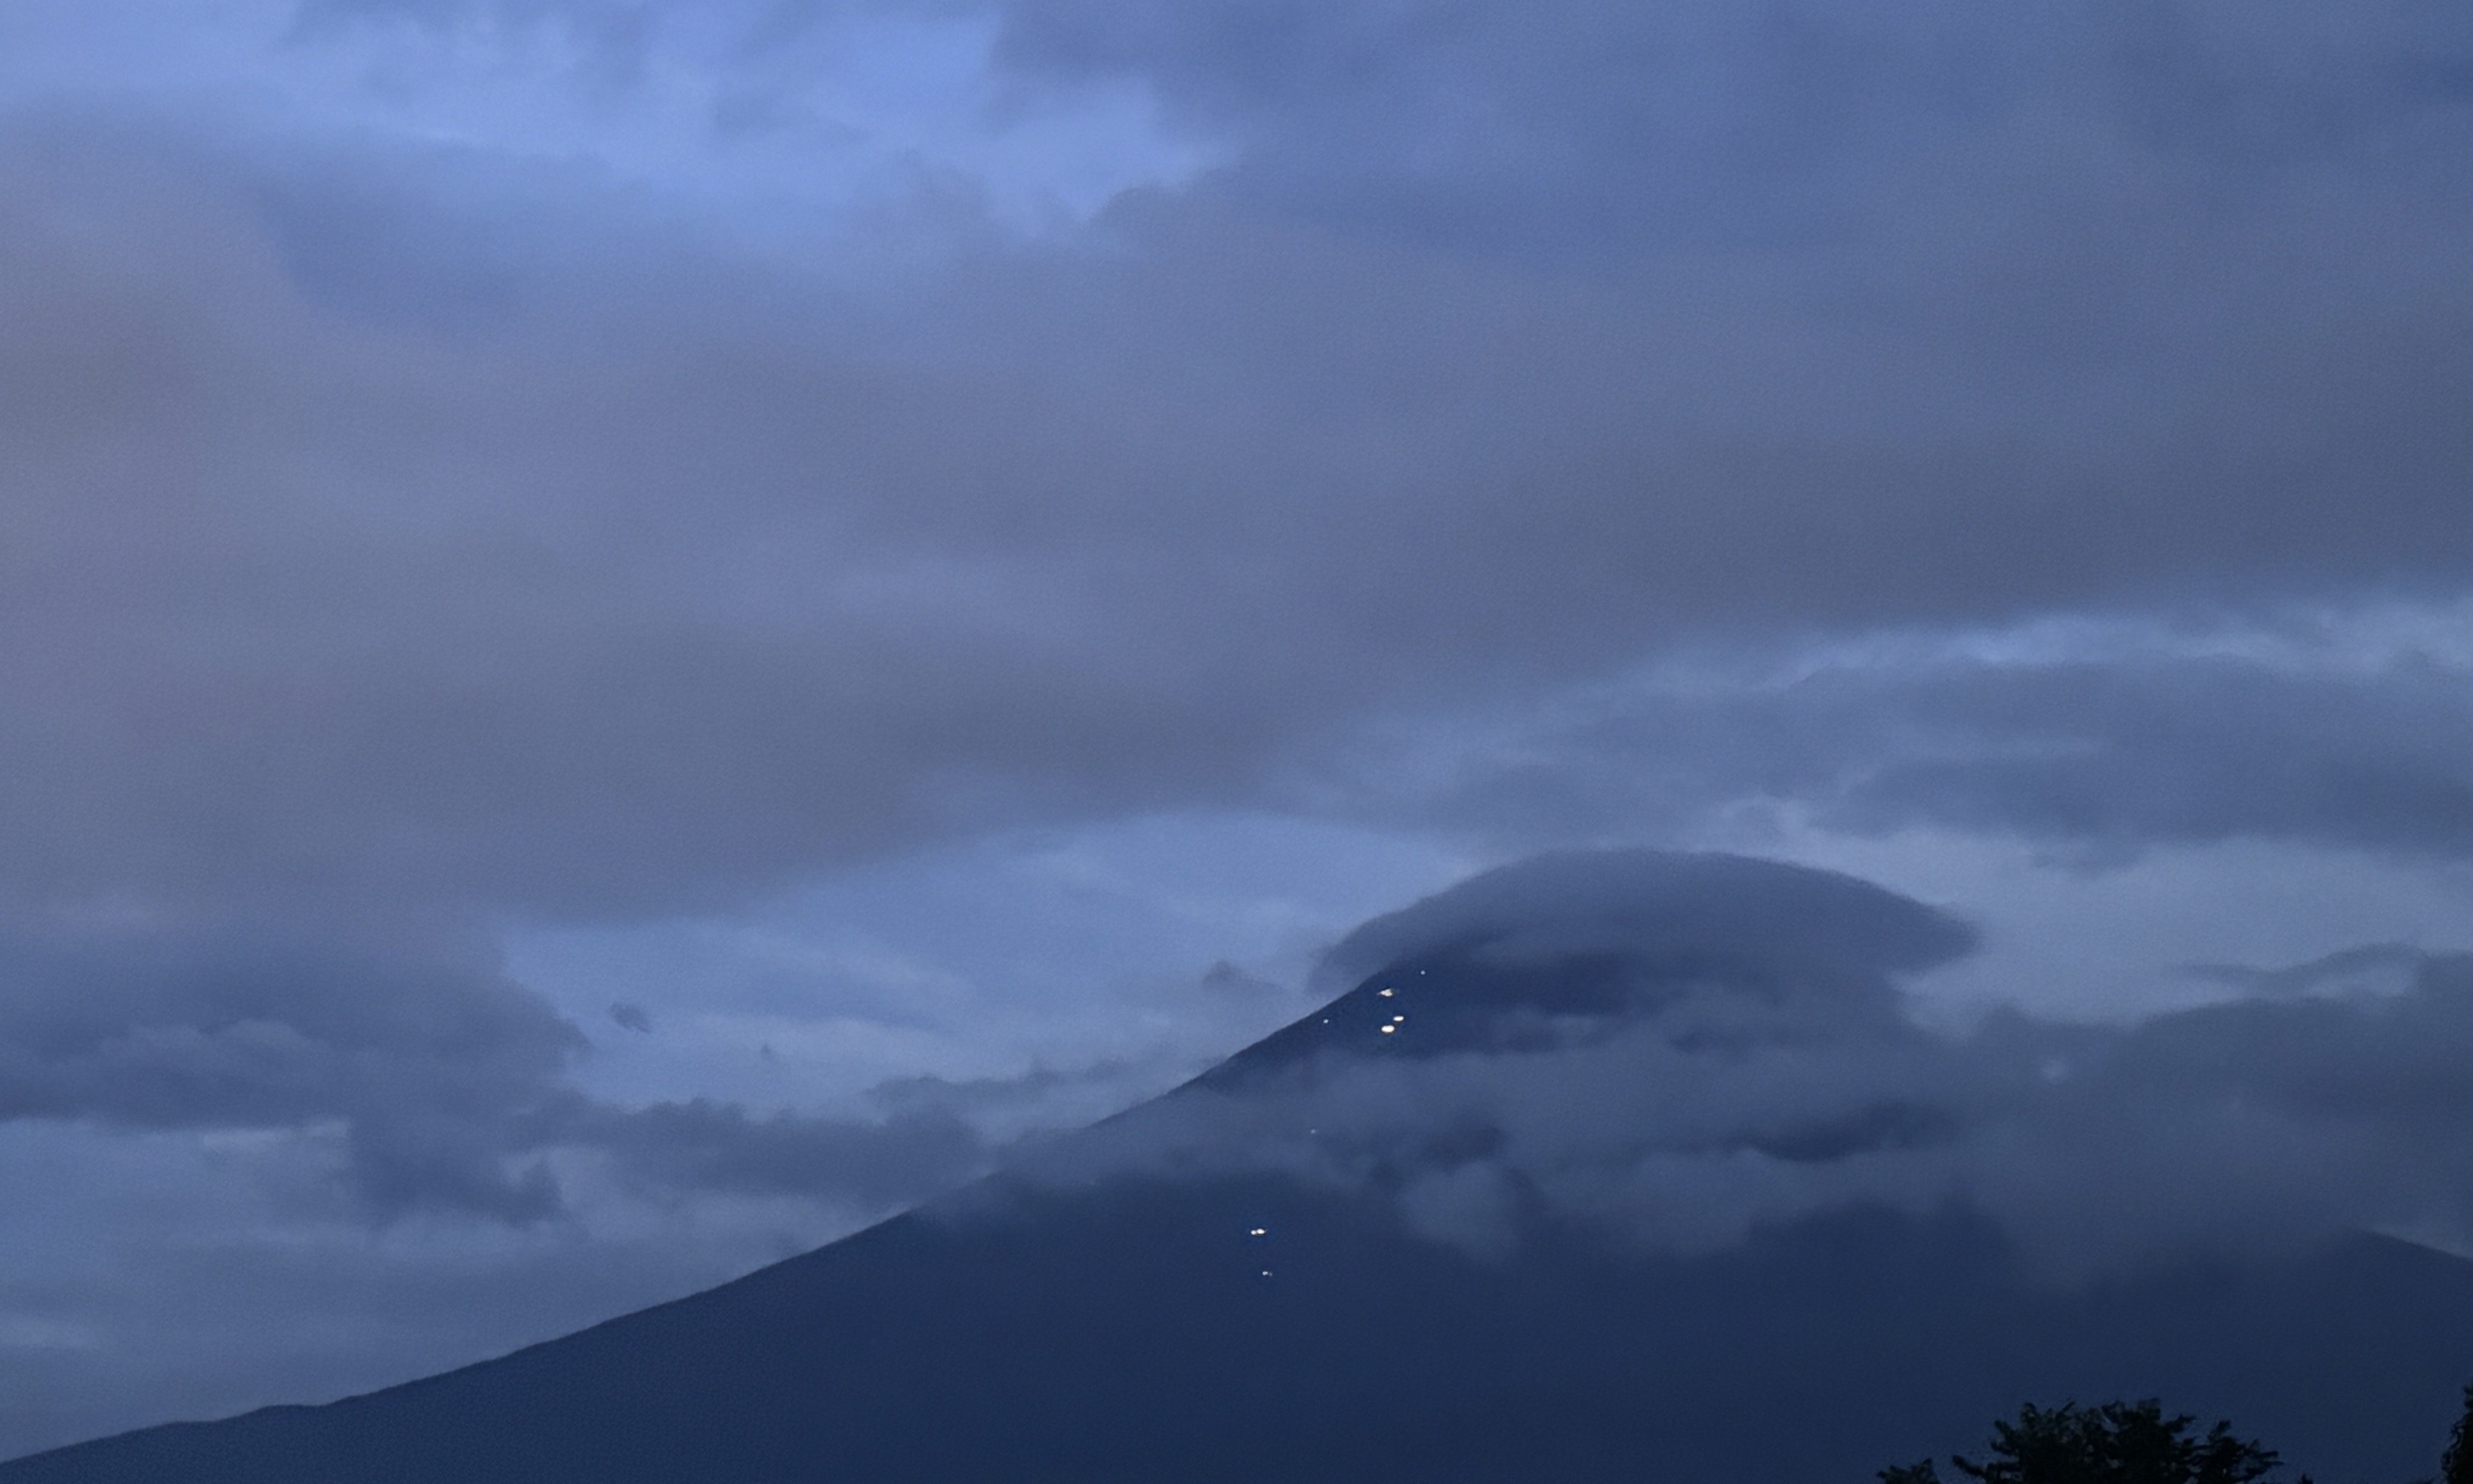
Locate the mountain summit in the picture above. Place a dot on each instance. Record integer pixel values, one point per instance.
(1623, 1167)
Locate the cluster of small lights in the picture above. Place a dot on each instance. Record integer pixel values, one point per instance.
(1396, 1021)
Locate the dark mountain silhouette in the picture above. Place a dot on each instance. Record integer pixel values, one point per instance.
(1100, 1314)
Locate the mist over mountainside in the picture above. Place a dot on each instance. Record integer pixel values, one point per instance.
(642, 633)
(1604, 1166)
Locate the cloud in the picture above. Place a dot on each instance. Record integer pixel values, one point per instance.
(529, 603)
(2341, 729)
(497, 488)
(706, 1146)
(421, 1054)
(446, 1085)
(2194, 751)
(1680, 1050)
(1810, 930)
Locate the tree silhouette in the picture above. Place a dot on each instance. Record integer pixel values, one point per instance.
(2117, 1443)
(2456, 1465)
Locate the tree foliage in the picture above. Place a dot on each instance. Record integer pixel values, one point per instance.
(2456, 1465)
(2117, 1443)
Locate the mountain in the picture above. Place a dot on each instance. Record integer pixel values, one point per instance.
(1352, 1253)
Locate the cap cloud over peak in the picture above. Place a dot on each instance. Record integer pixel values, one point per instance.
(515, 508)
(1706, 909)
(1588, 945)
(1683, 1049)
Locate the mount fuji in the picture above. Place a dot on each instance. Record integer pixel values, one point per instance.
(1625, 1166)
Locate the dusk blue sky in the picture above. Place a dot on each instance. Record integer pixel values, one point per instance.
(637, 633)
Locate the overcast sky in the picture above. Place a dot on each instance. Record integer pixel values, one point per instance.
(636, 632)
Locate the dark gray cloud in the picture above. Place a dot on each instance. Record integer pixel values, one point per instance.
(684, 608)
(874, 1165)
(1582, 125)
(2102, 747)
(661, 573)
(1706, 1073)
(1813, 931)
(447, 1084)
(418, 531)
(424, 1058)
(2370, 969)
(1590, 122)
(571, 609)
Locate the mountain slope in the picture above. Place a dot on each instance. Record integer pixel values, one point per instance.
(1189, 1293)
(1125, 1335)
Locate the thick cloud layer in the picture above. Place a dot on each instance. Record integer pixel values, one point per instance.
(2335, 730)
(1812, 932)
(445, 1083)
(477, 469)
(1686, 1049)
(528, 602)
(423, 1063)
(1589, 129)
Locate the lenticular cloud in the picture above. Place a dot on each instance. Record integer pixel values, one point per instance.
(1681, 1050)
